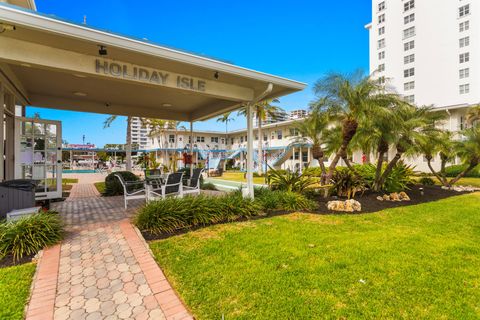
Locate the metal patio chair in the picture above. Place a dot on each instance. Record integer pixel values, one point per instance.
(173, 187)
(131, 191)
(193, 187)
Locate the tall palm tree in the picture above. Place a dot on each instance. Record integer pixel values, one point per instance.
(225, 118)
(157, 128)
(312, 130)
(262, 110)
(128, 146)
(350, 99)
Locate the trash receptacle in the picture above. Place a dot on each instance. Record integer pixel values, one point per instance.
(16, 194)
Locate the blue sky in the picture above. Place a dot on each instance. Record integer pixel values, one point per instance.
(301, 40)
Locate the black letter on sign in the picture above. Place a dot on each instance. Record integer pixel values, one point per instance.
(115, 69)
(201, 85)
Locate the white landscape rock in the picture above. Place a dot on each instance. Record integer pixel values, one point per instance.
(345, 206)
(462, 188)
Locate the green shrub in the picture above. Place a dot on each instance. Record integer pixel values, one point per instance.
(313, 172)
(455, 170)
(208, 186)
(283, 200)
(172, 214)
(426, 181)
(29, 235)
(398, 180)
(113, 186)
(346, 184)
(288, 181)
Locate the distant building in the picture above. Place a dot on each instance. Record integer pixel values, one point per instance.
(298, 114)
(140, 133)
(279, 117)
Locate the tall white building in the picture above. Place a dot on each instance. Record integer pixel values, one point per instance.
(429, 51)
(140, 133)
(298, 114)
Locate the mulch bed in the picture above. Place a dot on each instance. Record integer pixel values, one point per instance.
(371, 204)
(8, 261)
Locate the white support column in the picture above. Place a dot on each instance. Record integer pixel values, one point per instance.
(2, 102)
(250, 151)
(10, 137)
(309, 154)
(191, 148)
(301, 159)
(292, 163)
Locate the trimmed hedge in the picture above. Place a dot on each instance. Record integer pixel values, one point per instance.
(453, 171)
(113, 186)
(29, 235)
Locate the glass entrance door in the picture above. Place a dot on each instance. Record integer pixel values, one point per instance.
(39, 155)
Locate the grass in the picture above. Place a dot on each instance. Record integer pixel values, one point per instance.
(14, 290)
(474, 182)
(100, 186)
(69, 180)
(239, 177)
(417, 262)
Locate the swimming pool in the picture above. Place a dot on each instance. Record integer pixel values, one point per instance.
(78, 171)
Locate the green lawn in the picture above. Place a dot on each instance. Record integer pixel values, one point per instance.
(239, 177)
(418, 262)
(474, 182)
(14, 290)
(100, 186)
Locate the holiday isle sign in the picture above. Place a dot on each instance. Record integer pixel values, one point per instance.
(149, 75)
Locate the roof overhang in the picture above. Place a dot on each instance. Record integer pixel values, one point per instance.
(52, 63)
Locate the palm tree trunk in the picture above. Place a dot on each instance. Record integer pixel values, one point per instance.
(382, 150)
(435, 173)
(260, 151)
(226, 143)
(389, 168)
(349, 128)
(128, 146)
(470, 167)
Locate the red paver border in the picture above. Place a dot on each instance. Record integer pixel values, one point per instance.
(169, 302)
(42, 299)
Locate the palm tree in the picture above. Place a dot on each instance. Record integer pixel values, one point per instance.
(128, 146)
(350, 99)
(411, 124)
(157, 128)
(225, 118)
(312, 130)
(468, 149)
(440, 143)
(473, 115)
(262, 110)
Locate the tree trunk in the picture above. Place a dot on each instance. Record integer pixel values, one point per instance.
(349, 128)
(260, 149)
(439, 177)
(390, 167)
(471, 166)
(128, 146)
(382, 149)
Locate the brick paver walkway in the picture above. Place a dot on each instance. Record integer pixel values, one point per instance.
(103, 269)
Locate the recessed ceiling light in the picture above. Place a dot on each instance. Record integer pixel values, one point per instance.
(166, 105)
(78, 75)
(25, 65)
(80, 94)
